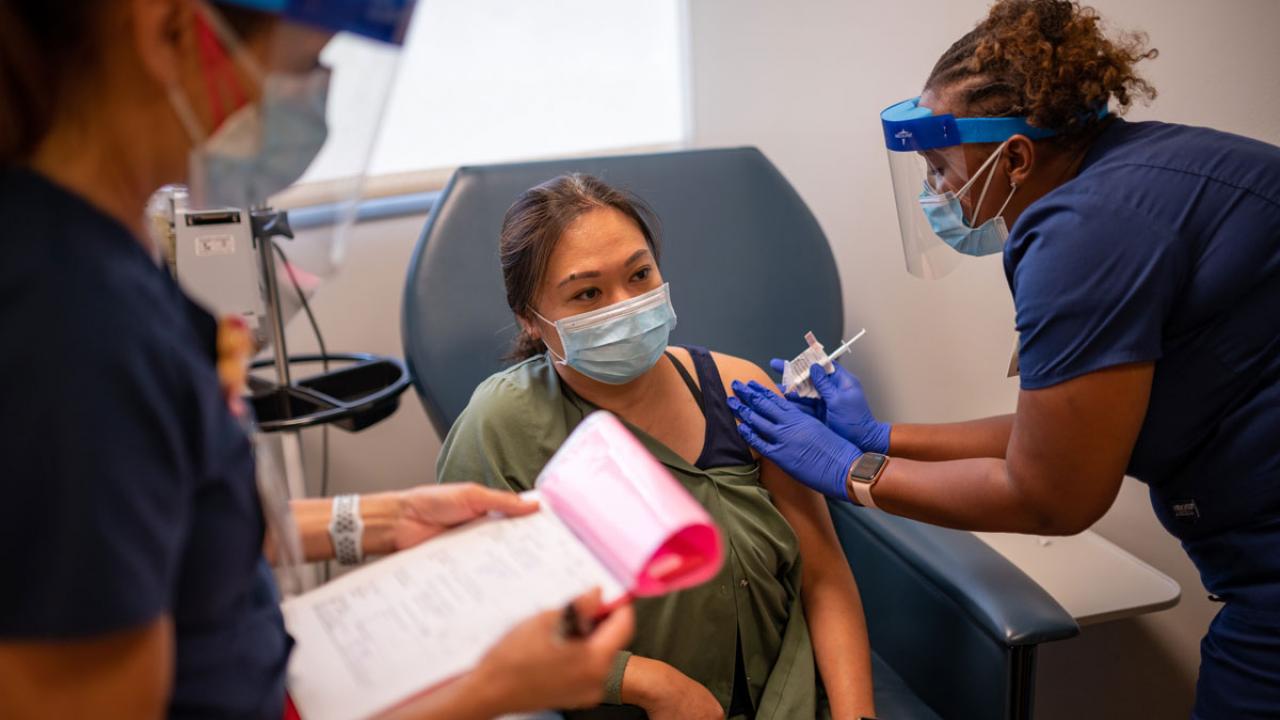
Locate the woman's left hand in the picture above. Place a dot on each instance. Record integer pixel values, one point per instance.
(428, 510)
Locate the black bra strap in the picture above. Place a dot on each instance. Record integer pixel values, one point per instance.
(688, 380)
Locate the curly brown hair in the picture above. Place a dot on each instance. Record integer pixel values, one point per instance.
(1046, 60)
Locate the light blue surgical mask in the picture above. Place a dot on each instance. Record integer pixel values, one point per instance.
(618, 343)
(263, 147)
(946, 215)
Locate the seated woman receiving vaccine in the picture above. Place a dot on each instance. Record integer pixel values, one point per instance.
(769, 636)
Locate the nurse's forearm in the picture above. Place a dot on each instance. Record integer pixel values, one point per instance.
(975, 494)
(985, 438)
(378, 512)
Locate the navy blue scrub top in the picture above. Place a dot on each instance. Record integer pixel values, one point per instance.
(1166, 247)
(128, 488)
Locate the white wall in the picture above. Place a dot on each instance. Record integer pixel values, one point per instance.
(805, 82)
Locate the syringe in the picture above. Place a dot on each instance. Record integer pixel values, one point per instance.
(832, 357)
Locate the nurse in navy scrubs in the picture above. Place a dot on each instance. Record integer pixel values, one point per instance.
(1144, 262)
(132, 578)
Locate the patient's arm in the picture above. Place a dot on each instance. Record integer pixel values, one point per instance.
(665, 693)
(830, 595)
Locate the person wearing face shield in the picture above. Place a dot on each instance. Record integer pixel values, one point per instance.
(134, 566)
(1144, 262)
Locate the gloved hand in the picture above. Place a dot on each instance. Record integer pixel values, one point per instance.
(811, 406)
(846, 409)
(800, 444)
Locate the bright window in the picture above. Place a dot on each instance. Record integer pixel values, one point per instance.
(495, 80)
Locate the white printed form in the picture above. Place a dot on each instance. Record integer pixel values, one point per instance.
(372, 639)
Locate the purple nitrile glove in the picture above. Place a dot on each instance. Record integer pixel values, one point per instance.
(847, 411)
(801, 445)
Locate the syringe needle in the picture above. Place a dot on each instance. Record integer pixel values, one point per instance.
(844, 348)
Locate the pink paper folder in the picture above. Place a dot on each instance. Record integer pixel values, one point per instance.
(624, 505)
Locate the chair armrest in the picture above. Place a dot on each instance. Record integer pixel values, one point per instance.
(992, 591)
(997, 596)
(953, 618)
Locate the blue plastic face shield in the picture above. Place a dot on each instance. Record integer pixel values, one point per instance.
(293, 104)
(273, 97)
(926, 156)
(294, 111)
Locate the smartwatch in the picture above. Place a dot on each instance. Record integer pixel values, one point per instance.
(863, 476)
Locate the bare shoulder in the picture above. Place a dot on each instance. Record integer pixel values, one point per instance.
(735, 368)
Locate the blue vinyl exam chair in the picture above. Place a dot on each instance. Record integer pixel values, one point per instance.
(954, 627)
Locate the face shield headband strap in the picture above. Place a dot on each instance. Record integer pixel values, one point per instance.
(911, 127)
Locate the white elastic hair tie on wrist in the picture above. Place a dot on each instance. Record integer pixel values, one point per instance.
(346, 529)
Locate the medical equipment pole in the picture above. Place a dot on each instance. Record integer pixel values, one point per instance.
(267, 224)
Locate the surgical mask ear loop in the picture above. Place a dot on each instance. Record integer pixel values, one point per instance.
(178, 97)
(1000, 212)
(186, 115)
(985, 163)
(985, 186)
(560, 360)
(239, 54)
